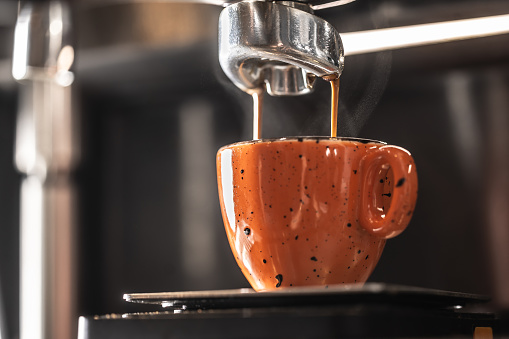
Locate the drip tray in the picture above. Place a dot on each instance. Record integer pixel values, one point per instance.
(352, 311)
(340, 295)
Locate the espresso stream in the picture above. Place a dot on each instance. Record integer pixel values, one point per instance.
(257, 114)
(334, 83)
(258, 108)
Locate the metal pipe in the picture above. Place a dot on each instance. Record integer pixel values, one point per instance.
(45, 151)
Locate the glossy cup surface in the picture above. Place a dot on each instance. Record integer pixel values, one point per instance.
(313, 211)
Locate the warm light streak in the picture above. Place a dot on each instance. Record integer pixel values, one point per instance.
(418, 35)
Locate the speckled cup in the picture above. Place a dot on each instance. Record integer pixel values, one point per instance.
(313, 211)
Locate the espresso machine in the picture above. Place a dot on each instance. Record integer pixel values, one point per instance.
(113, 112)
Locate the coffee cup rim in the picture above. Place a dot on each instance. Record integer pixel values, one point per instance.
(297, 138)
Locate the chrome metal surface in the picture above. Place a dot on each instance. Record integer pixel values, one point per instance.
(42, 46)
(45, 152)
(42, 60)
(262, 43)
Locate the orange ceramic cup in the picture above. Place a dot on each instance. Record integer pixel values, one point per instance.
(313, 211)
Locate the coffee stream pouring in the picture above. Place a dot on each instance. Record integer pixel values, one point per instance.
(280, 47)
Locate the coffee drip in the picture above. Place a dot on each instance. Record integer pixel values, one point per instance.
(257, 114)
(258, 108)
(334, 100)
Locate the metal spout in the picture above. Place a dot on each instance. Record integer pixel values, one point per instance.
(278, 45)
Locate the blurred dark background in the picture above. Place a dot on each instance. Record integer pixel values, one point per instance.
(155, 107)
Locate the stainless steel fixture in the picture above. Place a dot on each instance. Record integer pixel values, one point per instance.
(46, 155)
(278, 45)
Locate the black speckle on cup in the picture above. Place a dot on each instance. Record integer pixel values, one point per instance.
(400, 182)
(279, 278)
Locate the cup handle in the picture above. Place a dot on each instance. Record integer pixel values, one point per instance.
(390, 223)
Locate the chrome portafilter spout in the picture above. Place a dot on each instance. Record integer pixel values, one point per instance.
(279, 45)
